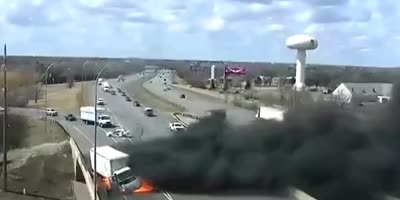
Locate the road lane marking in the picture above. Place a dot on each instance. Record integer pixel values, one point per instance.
(118, 122)
(80, 132)
(167, 195)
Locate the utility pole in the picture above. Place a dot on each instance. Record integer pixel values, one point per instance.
(5, 121)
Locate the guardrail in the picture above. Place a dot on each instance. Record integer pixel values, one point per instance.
(175, 115)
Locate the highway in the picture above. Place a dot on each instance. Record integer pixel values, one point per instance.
(133, 119)
(195, 103)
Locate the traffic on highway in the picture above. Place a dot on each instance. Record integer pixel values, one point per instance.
(123, 119)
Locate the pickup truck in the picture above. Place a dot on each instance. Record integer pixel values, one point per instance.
(176, 126)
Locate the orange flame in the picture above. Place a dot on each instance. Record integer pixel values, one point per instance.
(104, 184)
(144, 188)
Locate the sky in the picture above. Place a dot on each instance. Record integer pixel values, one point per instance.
(349, 32)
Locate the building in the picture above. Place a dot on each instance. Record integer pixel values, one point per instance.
(363, 92)
(151, 69)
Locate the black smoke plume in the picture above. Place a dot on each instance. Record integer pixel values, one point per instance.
(329, 152)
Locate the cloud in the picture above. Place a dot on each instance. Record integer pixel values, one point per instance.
(253, 30)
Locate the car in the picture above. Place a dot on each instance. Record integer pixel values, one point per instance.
(123, 94)
(70, 117)
(113, 92)
(136, 103)
(168, 88)
(183, 96)
(51, 112)
(176, 126)
(100, 102)
(119, 132)
(149, 112)
(128, 98)
(119, 90)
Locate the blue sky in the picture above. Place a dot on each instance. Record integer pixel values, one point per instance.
(351, 32)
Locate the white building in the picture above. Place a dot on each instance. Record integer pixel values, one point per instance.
(363, 92)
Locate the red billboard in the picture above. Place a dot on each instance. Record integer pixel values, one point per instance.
(235, 70)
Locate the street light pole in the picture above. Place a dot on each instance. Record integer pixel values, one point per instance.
(45, 94)
(95, 127)
(5, 121)
(82, 78)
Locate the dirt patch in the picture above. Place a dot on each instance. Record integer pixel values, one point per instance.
(136, 90)
(44, 170)
(38, 136)
(43, 166)
(62, 98)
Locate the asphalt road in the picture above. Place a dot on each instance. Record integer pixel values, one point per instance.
(195, 103)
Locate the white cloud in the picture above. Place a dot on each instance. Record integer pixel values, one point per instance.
(349, 31)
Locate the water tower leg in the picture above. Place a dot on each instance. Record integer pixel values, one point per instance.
(212, 84)
(300, 70)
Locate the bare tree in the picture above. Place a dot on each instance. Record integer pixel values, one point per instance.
(70, 78)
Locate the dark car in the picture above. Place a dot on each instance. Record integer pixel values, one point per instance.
(113, 92)
(119, 90)
(123, 94)
(128, 99)
(70, 117)
(183, 96)
(136, 103)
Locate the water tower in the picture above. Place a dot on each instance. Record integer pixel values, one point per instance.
(301, 43)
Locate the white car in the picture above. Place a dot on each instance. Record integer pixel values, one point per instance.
(100, 101)
(176, 126)
(119, 132)
(51, 112)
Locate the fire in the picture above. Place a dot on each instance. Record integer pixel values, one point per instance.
(144, 188)
(104, 184)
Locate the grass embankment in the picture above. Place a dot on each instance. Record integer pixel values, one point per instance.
(146, 97)
(64, 99)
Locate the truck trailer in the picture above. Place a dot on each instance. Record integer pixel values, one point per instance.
(87, 116)
(113, 170)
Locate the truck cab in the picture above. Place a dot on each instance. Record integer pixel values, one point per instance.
(125, 180)
(104, 121)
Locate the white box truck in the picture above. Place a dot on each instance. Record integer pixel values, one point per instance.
(113, 170)
(87, 116)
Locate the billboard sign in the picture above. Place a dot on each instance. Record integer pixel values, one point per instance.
(235, 70)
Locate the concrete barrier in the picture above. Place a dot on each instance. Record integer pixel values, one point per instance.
(78, 159)
(76, 154)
